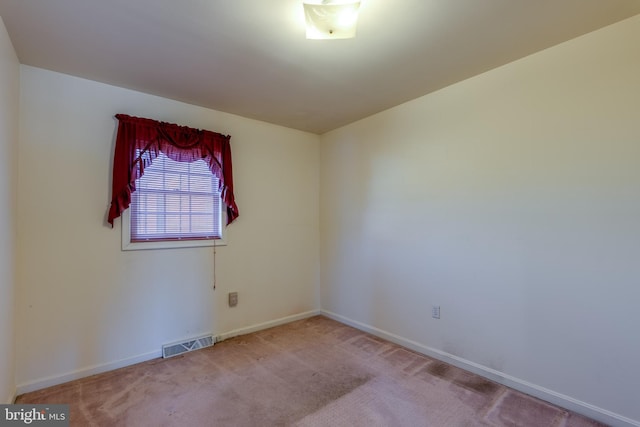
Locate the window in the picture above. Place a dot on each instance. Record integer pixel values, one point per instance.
(176, 204)
(177, 182)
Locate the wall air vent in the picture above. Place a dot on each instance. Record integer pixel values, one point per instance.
(174, 349)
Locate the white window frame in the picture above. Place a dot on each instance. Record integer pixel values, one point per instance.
(128, 245)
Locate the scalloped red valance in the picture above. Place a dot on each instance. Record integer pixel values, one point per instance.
(140, 140)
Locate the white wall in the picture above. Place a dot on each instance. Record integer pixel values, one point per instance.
(512, 200)
(82, 303)
(9, 99)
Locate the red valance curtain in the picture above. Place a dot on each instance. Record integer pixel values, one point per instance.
(139, 142)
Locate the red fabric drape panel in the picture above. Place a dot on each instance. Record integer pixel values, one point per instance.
(138, 143)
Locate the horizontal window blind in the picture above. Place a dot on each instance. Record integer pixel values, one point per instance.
(176, 201)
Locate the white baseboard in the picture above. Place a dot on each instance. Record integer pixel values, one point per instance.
(98, 369)
(559, 399)
(11, 398)
(85, 372)
(266, 325)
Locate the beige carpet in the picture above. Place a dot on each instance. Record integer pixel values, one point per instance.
(314, 372)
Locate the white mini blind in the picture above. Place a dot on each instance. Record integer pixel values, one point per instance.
(176, 201)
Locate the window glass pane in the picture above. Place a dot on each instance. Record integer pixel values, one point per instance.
(199, 185)
(176, 200)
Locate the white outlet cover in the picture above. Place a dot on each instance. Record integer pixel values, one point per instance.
(435, 311)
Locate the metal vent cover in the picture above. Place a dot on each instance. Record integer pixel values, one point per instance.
(174, 349)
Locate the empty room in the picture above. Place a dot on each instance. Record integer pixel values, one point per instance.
(245, 213)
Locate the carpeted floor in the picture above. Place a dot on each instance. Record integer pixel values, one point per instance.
(313, 372)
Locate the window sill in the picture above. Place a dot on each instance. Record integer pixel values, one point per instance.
(128, 245)
(174, 244)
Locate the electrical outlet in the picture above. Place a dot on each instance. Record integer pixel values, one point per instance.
(233, 299)
(435, 311)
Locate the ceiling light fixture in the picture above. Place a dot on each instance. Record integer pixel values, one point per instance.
(327, 19)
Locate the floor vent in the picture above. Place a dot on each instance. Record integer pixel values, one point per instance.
(170, 350)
